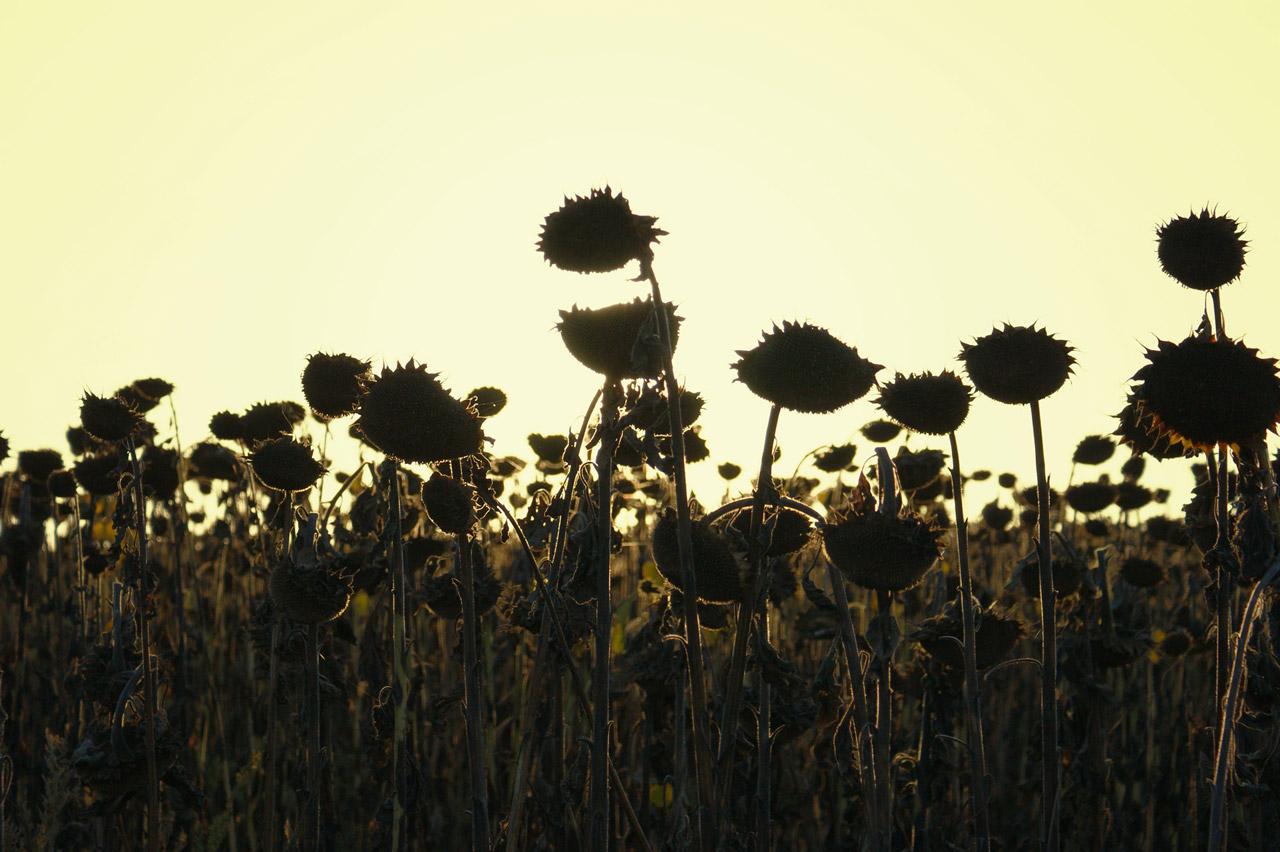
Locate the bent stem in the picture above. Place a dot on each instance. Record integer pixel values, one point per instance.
(1048, 650)
(973, 699)
(704, 802)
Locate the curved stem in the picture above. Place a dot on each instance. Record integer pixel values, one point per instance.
(1048, 650)
(973, 698)
(704, 804)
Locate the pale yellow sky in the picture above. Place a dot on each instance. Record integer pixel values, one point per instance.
(211, 192)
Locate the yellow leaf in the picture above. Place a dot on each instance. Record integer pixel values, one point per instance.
(660, 795)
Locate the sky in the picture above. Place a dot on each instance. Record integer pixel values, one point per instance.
(211, 192)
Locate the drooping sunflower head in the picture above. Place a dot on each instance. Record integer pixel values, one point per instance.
(716, 568)
(832, 459)
(108, 418)
(620, 341)
(597, 233)
(407, 414)
(889, 553)
(927, 403)
(266, 420)
(1093, 449)
(805, 368)
(332, 384)
(1202, 392)
(1017, 365)
(1202, 251)
(487, 401)
(309, 595)
(284, 464)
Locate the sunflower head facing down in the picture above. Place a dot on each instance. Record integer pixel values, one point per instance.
(1202, 251)
(597, 233)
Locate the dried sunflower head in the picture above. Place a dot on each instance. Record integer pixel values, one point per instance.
(36, 465)
(729, 471)
(407, 414)
(927, 403)
(1091, 497)
(1093, 449)
(880, 431)
(266, 420)
(227, 426)
(619, 341)
(889, 553)
(332, 384)
(108, 418)
(1017, 365)
(449, 504)
(211, 461)
(4, 447)
(1202, 392)
(597, 233)
(832, 459)
(487, 401)
(309, 595)
(714, 563)
(805, 368)
(549, 448)
(286, 465)
(1202, 251)
(99, 474)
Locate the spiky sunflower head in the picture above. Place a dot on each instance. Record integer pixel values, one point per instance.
(1202, 251)
(1202, 392)
(927, 403)
(619, 341)
(1136, 431)
(1093, 449)
(889, 553)
(407, 414)
(449, 504)
(332, 384)
(716, 566)
(1017, 365)
(805, 368)
(286, 465)
(227, 426)
(597, 233)
(108, 418)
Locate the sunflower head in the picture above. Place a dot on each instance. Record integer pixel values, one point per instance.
(1202, 251)
(1202, 392)
(284, 464)
(108, 418)
(36, 465)
(880, 431)
(449, 504)
(805, 368)
(889, 553)
(266, 420)
(1094, 449)
(1089, 498)
(729, 471)
(621, 341)
(715, 564)
(927, 403)
(227, 426)
(314, 595)
(833, 459)
(1017, 365)
(487, 401)
(332, 384)
(407, 414)
(99, 474)
(597, 233)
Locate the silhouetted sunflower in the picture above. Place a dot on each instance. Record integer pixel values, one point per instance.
(549, 448)
(449, 504)
(834, 459)
(36, 465)
(1138, 434)
(790, 529)
(332, 384)
(1093, 449)
(62, 484)
(1130, 496)
(99, 474)
(160, 472)
(996, 633)
(995, 516)
(267, 420)
(1017, 365)
(598, 233)
(715, 564)
(1091, 497)
(728, 471)
(4, 447)
(487, 401)
(1202, 251)
(927, 403)
(108, 418)
(805, 368)
(227, 426)
(619, 341)
(1202, 392)
(880, 431)
(213, 461)
(882, 552)
(1142, 573)
(407, 414)
(286, 465)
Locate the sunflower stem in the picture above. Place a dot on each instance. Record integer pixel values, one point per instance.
(400, 690)
(704, 801)
(1048, 649)
(144, 630)
(973, 698)
(746, 611)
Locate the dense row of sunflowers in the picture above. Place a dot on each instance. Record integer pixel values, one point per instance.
(259, 665)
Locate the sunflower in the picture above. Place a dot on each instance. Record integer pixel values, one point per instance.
(1094, 449)
(927, 403)
(407, 414)
(108, 418)
(284, 464)
(805, 368)
(619, 341)
(332, 384)
(889, 553)
(715, 565)
(597, 233)
(1203, 392)
(1017, 365)
(1202, 251)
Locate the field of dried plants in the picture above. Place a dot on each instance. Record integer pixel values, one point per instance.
(232, 644)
